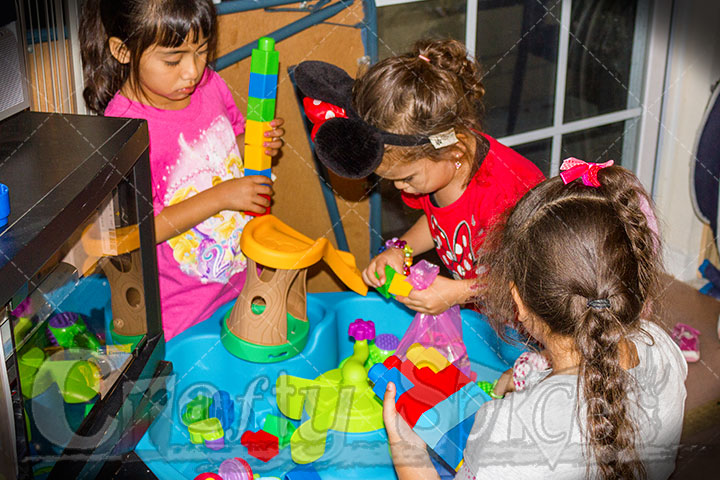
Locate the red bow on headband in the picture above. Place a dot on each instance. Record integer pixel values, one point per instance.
(574, 168)
(318, 112)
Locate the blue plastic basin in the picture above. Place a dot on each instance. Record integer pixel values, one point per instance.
(202, 365)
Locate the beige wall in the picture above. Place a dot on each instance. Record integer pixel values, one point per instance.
(298, 197)
(694, 65)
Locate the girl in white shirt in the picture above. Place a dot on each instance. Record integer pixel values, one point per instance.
(577, 263)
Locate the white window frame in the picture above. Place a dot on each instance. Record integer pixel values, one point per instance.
(647, 74)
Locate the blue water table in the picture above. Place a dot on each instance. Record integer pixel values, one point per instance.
(208, 364)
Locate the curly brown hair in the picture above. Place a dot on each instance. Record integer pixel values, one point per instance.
(563, 246)
(409, 95)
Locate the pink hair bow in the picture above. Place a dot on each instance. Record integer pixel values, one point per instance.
(574, 168)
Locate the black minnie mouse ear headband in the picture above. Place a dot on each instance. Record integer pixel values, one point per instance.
(344, 142)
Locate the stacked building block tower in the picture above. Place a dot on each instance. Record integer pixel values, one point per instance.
(261, 107)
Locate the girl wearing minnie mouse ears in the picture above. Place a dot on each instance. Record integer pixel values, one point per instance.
(415, 119)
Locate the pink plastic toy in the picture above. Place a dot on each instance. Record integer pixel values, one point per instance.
(235, 469)
(362, 330)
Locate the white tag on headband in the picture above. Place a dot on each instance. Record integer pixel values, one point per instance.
(443, 139)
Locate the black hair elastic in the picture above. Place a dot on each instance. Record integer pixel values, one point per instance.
(599, 303)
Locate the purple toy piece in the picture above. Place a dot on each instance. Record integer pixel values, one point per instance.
(387, 342)
(362, 330)
(233, 469)
(62, 320)
(215, 444)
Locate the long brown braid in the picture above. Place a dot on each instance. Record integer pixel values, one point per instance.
(564, 246)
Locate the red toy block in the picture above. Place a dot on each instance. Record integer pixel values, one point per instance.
(260, 444)
(208, 476)
(448, 380)
(392, 362)
(430, 388)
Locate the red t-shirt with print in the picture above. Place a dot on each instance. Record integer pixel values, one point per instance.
(459, 229)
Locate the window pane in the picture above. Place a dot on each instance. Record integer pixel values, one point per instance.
(539, 153)
(598, 144)
(600, 57)
(517, 45)
(400, 26)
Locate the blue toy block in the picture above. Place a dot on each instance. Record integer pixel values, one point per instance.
(302, 472)
(223, 408)
(442, 468)
(262, 86)
(436, 422)
(381, 376)
(451, 446)
(250, 171)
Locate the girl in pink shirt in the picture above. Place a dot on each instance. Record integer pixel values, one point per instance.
(148, 59)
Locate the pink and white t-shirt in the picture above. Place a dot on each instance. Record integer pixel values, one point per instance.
(190, 151)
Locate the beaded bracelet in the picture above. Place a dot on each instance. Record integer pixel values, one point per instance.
(407, 252)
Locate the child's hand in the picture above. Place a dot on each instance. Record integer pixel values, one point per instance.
(442, 294)
(398, 431)
(245, 194)
(393, 257)
(505, 383)
(275, 137)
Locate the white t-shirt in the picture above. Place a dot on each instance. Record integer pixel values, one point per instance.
(535, 433)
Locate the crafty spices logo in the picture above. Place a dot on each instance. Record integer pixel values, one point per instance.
(273, 418)
(543, 427)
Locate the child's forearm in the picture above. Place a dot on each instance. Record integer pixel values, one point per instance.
(468, 290)
(412, 462)
(419, 236)
(182, 216)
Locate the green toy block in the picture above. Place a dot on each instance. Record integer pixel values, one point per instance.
(261, 109)
(282, 428)
(205, 430)
(265, 58)
(33, 358)
(196, 410)
(77, 380)
(389, 274)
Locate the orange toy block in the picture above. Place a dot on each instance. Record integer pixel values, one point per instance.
(255, 132)
(398, 285)
(256, 158)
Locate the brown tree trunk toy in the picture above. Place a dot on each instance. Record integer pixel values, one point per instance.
(127, 294)
(271, 303)
(280, 292)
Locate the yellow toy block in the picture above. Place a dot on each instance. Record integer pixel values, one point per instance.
(256, 158)
(398, 285)
(426, 357)
(255, 132)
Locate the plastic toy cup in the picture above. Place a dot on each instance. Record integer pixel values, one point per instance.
(4, 204)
